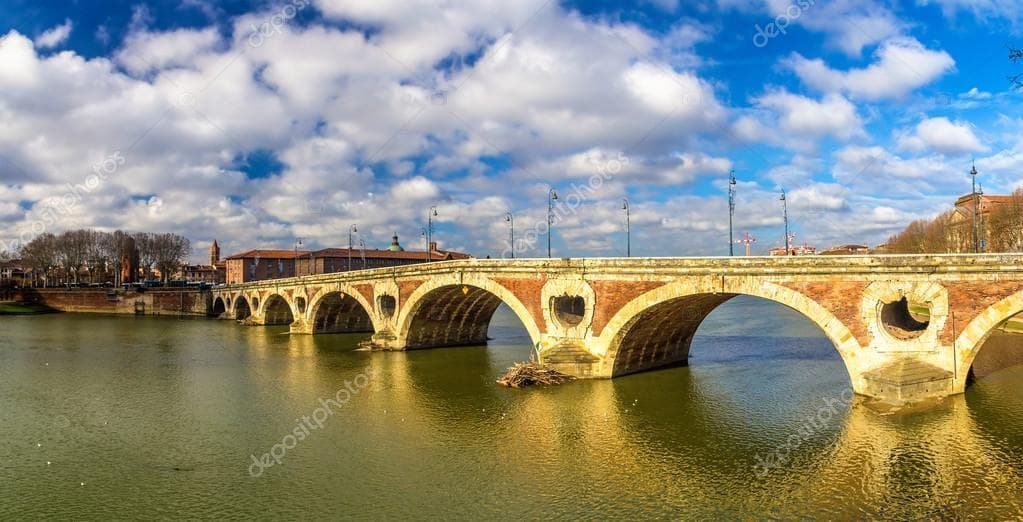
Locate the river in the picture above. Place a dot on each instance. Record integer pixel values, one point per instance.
(147, 417)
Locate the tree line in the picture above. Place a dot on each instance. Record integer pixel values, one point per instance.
(91, 256)
(1002, 228)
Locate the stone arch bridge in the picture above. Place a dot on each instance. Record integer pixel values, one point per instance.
(603, 318)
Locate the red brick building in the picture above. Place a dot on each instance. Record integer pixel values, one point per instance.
(213, 273)
(256, 265)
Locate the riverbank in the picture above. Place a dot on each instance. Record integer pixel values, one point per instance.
(1014, 325)
(18, 308)
(143, 301)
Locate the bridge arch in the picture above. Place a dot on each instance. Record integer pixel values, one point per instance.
(456, 310)
(241, 308)
(341, 311)
(969, 343)
(655, 329)
(277, 310)
(219, 307)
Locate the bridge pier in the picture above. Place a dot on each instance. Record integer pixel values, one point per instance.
(300, 326)
(384, 340)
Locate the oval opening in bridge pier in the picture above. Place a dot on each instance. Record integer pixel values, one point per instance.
(905, 320)
(387, 305)
(569, 309)
(300, 304)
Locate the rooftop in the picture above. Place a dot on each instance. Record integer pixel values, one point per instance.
(270, 254)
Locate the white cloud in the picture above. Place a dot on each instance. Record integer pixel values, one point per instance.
(975, 94)
(983, 10)
(850, 25)
(940, 135)
(902, 65)
(54, 36)
(805, 117)
(474, 107)
(145, 51)
(818, 196)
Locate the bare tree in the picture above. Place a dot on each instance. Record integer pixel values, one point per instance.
(41, 255)
(170, 252)
(114, 246)
(1005, 225)
(146, 245)
(74, 248)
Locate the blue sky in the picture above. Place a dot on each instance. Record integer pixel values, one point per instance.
(257, 123)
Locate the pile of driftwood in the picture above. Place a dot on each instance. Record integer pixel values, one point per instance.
(532, 373)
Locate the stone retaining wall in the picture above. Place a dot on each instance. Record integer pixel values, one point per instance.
(150, 301)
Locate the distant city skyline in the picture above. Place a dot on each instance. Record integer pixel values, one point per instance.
(258, 125)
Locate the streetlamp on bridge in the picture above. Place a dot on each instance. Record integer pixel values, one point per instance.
(628, 226)
(785, 217)
(976, 203)
(510, 219)
(731, 211)
(351, 229)
(429, 232)
(551, 197)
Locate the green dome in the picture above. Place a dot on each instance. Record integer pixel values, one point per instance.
(395, 247)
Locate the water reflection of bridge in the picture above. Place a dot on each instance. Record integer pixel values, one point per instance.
(675, 443)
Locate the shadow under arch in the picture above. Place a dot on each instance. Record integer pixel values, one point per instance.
(277, 311)
(218, 307)
(445, 314)
(656, 329)
(977, 334)
(340, 312)
(241, 308)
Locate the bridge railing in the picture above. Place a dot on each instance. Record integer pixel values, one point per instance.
(725, 266)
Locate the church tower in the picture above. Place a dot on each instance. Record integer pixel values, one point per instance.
(214, 253)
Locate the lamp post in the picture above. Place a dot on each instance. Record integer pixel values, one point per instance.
(351, 229)
(551, 197)
(298, 243)
(426, 240)
(785, 216)
(510, 219)
(976, 236)
(628, 226)
(362, 250)
(731, 212)
(429, 232)
(981, 242)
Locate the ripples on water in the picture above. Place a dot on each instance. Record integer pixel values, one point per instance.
(160, 418)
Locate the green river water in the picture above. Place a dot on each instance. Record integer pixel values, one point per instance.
(141, 417)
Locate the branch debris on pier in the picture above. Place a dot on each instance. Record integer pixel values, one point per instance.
(532, 373)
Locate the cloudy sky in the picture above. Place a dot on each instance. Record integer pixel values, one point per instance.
(257, 123)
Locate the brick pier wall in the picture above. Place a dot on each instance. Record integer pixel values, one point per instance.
(151, 301)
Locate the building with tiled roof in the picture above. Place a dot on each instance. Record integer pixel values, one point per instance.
(256, 265)
(260, 264)
(962, 222)
(213, 273)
